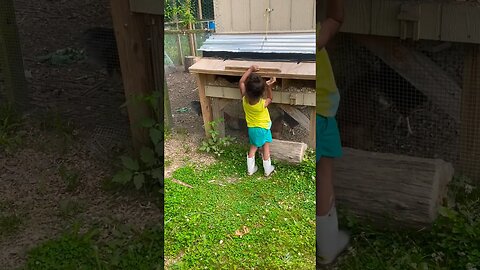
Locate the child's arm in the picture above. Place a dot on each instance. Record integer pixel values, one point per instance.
(269, 91)
(332, 24)
(244, 78)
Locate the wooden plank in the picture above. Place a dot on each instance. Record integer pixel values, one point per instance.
(11, 60)
(287, 151)
(279, 97)
(137, 73)
(280, 17)
(313, 130)
(407, 190)
(257, 18)
(223, 15)
(358, 15)
(461, 23)
(297, 115)
(470, 124)
(244, 68)
(289, 70)
(419, 70)
(240, 15)
(218, 104)
(430, 20)
(303, 15)
(384, 20)
(205, 103)
(153, 7)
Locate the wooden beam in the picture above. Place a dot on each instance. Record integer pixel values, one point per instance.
(313, 130)
(218, 104)
(385, 187)
(136, 65)
(297, 115)
(205, 103)
(154, 7)
(11, 60)
(470, 124)
(419, 70)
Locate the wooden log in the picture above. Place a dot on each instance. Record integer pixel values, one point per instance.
(391, 189)
(287, 151)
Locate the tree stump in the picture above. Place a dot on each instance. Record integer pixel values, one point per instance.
(403, 190)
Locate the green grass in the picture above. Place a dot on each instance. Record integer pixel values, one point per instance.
(451, 243)
(279, 212)
(127, 249)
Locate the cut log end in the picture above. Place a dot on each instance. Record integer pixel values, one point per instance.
(387, 188)
(287, 151)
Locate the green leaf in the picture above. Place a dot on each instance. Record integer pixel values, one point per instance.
(446, 212)
(122, 177)
(156, 136)
(148, 123)
(147, 155)
(130, 163)
(139, 180)
(157, 173)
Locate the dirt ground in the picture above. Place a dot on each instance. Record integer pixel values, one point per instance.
(32, 184)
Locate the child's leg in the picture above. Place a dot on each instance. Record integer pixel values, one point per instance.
(252, 151)
(324, 186)
(266, 151)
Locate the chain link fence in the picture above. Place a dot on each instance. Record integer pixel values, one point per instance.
(411, 106)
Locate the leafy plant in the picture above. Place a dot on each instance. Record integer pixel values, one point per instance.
(216, 144)
(147, 170)
(70, 177)
(182, 12)
(62, 57)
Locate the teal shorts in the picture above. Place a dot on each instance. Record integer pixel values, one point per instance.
(259, 136)
(328, 142)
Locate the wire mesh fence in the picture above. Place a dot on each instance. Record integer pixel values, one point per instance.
(409, 106)
(188, 23)
(72, 67)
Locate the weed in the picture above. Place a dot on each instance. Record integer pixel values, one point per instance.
(69, 208)
(70, 177)
(216, 144)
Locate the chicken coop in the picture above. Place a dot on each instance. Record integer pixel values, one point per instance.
(277, 36)
(78, 73)
(408, 75)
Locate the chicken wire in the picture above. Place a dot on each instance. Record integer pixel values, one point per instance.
(72, 66)
(381, 111)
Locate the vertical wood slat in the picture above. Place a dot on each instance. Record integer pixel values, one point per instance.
(470, 116)
(136, 65)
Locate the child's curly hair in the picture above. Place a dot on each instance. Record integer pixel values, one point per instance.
(255, 86)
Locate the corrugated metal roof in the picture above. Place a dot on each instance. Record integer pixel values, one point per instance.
(295, 43)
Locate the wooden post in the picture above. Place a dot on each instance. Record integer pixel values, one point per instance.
(191, 40)
(218, 104)
(204, 102)
(470, 115)
(11, 60)
(167, 108)
(313, 130)
(200, 11)
(136, 66)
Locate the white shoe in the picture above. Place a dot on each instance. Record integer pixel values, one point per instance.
(251, 167)
(330, 241)
(267, 166)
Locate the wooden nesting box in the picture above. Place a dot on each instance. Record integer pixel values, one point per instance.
(214, 98)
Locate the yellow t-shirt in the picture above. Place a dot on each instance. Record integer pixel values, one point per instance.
(256, 115)
(328, 97)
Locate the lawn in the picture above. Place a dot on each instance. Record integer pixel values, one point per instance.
(228, 220)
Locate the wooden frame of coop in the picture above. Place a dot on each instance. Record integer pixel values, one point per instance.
(214, 99)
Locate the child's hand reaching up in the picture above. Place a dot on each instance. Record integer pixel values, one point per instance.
(271, 82)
